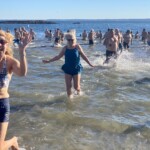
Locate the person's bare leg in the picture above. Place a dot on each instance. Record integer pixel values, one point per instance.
(68, 79)
(5, 145)
(76, 79)
(15, 144)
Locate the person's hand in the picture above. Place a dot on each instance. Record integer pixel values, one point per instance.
(25, 41)
(92, 65)
(45, 61)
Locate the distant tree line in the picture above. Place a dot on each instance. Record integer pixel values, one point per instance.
(27, 22)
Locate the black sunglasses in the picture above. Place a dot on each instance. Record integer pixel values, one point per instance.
(70, 40)
(2, 41)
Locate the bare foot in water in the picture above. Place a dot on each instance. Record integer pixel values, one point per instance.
(78, 93)
(70, 96)
(15, 145)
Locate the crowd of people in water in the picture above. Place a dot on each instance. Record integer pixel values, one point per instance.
(114, 40)
(58, 36)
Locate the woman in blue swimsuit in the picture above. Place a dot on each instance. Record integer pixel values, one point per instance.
(8, 66)
(72, 67)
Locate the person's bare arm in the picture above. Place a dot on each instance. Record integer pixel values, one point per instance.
(83, 55)
(56, 57)
(20, 67)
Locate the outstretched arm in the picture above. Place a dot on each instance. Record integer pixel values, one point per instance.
(20, 67)
(84, 56)
(56, 57)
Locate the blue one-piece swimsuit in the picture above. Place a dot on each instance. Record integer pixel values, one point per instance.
(72, 64)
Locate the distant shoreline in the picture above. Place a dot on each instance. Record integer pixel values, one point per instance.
(27, 22)
(57, 21)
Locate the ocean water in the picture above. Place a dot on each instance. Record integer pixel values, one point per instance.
(113, 111)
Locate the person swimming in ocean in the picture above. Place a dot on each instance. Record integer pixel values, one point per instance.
(72, 67)
(127, 39)
(120, 39)
(32, 33)
(111, 43)
(17, 35)
(144, 36)
(148, 39)
(91, 36)
(84, 35)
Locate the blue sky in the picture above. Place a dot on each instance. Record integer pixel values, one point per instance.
(74, 9)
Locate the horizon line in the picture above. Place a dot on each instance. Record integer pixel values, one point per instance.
(83, 19)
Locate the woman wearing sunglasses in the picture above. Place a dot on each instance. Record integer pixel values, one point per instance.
(8, 66)
(72, 67)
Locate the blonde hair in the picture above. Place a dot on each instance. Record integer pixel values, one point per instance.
(71, 35)
(9, 38)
